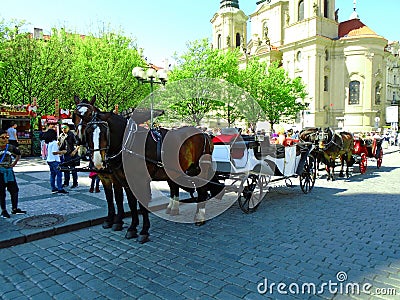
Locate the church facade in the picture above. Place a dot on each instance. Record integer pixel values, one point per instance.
(344, 65)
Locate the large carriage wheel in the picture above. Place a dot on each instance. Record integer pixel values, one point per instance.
(379, 159)
(307, 177)
(363, 163)
(254, 188)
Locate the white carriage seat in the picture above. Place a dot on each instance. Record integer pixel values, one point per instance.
(286, 165)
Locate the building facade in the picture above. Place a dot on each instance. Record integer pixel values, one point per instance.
(344, 65)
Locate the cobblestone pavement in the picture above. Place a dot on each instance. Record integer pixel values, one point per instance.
(341, 237)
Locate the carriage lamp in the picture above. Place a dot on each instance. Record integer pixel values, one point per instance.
(153, 77)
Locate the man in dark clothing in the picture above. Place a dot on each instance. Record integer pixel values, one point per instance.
(67, 142)
(7, 176)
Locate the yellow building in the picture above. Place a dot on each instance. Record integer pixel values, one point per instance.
(343, 65)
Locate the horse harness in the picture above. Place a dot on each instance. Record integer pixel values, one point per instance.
(157, 138)
(332, 141)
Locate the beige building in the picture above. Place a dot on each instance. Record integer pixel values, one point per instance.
(344, 65)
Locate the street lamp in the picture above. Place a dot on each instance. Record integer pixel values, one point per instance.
(153, 77)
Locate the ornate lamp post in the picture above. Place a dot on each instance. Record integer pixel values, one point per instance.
(153, 77)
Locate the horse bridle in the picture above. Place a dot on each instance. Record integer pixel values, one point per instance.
(332, 141)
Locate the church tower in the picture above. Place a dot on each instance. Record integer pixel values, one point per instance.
(229, 26)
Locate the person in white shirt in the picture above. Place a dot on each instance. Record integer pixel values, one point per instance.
(53, 160)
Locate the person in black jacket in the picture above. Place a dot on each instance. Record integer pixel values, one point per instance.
(68, 142)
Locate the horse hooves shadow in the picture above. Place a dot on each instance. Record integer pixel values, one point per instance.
(143, 238)
(131, 234)
(107, 224)
(117, 226)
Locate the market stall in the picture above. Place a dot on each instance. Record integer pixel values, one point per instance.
(22, 116)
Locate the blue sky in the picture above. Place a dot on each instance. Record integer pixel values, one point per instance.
(163, 27)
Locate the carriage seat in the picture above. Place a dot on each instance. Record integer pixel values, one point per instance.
(237, 144)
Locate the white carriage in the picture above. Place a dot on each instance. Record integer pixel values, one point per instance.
(255, 163)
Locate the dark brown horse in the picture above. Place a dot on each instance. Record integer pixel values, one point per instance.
(335, 145)
(87, 122)
(104, 132)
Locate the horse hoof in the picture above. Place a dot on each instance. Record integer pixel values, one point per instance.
(107, 225)
(131, 234)
(168, 210)
(117, 227)
(143, 238)
(199, 223)
(174, 212)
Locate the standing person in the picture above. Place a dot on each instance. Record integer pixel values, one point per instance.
(94, 185)
(53, 160)
(67, 143)
(9, 157)
(12, 135)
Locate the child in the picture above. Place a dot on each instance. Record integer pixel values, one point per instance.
(95, 182)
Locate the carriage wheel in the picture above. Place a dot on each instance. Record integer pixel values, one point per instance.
(379, 159)
(363, 163)
(254, 188)
(307, 178)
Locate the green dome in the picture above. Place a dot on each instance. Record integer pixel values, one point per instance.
(229, 3)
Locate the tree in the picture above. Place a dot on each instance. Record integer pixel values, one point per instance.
(277, 94)
(102, 67)
(201, 62)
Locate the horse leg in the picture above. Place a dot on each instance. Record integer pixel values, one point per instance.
(132, 202)
(108, 191)
(144, 233)
(119, 200)
(144, 205)
(341, 174)
(173, 205)
(200, 216)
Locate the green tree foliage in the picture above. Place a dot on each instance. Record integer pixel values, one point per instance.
(279, 97)
(63, 65)
(102, 67)
(199, 62)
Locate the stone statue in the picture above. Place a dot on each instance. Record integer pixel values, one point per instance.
(265, 31)
(228, 40)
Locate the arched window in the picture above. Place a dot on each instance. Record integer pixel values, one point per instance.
(326, 8)
(219, 44)
(237, 40)
(326, 83)
(354, 92)
(326, 55)
(377, 93)
(301, 10)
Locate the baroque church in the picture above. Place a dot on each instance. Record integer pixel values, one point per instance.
(344, 65)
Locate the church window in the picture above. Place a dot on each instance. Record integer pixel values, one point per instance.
(301, 10)
(378, 94)
(326, 55)
(354, 92)
(298, 56)
(219, 41)
(326, 82)
(237, 40)
(326, 8)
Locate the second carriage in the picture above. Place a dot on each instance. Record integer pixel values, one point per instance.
(365, 149)
(253, 163)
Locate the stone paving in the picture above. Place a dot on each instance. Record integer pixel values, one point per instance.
(325, 245)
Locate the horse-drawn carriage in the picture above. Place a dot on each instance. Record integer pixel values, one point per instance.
(367, 148)
(254, 163)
